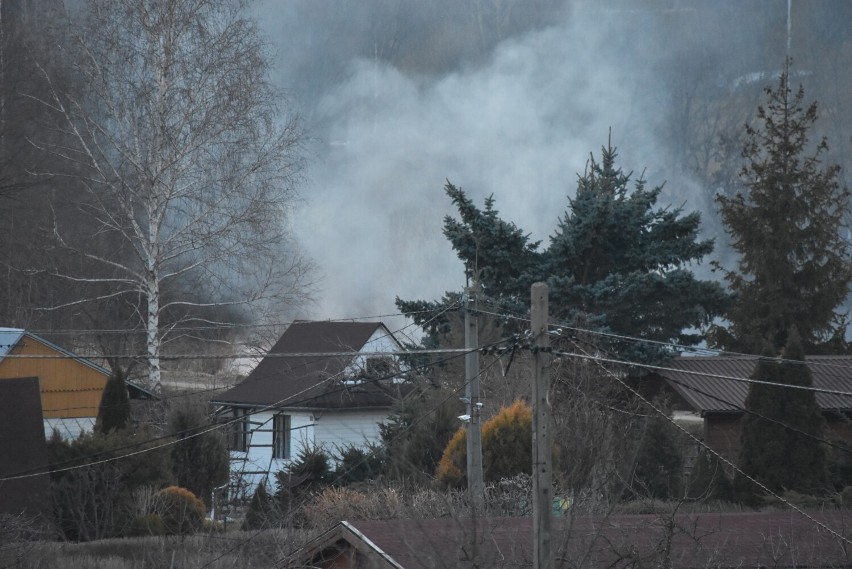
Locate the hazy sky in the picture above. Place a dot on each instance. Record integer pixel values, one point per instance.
(396, 107)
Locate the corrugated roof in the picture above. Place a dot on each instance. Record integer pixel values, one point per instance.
(9, 337)
(313, 382)
(702, 382)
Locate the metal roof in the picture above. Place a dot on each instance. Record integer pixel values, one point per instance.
(9, 338)
(706, 382)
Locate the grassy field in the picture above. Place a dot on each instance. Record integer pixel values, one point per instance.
(231, 550)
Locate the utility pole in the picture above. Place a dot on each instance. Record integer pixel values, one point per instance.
(475, 484)
(542, 447)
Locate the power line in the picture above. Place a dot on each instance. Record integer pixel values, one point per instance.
(765, 418)
(206, 429)
(706, 447)
(705, 374)
(273, 355)
(423, 417)
(228, 423)
(229, 326)
(673, 346)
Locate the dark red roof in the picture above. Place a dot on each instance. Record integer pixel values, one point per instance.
(313, 382)
(705, 382)
(780, 539)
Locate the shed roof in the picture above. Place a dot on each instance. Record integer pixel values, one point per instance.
(742, 539)
(712, 384)
(314, 381)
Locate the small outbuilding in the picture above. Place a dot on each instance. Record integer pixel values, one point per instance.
(71, 386)
(714, 389)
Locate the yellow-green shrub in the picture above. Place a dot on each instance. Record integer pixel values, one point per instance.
(506, 448)
(181, 511)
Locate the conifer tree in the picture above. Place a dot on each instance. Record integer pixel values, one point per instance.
(657, 472)
(786, 225)
(777, 453)
(616, 262)
(200, 460)
(114, 409)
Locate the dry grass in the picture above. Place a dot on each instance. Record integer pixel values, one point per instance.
(232, 550)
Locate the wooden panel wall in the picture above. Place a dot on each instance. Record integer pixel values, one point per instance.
(68, 388)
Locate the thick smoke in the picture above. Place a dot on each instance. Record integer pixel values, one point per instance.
(514, 114)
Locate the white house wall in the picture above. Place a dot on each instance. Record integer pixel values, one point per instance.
(331, 430)
(253, 466)
(340, 429)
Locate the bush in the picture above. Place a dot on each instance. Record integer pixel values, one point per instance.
(200, 462)
(506, 448)
(507, 443)
(452, 468)
(358, 465)
(95, 500)
(149, 524)
(260, 511)
(708, 481)
(658, 470)
(181, 511)
(310, 471)
(414, 437)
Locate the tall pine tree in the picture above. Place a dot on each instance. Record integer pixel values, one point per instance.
(616, 262)
(786, 226)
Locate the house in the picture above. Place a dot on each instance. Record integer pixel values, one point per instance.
(713, 389)
(721, 540)
(323, 385)
(70, 386)
(23, 450)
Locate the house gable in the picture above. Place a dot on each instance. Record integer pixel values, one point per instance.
(70, 386)
(298, 399)
(288, 378)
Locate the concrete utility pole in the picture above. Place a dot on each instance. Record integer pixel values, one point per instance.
(542, 453)
(475, 484)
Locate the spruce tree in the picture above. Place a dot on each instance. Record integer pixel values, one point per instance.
(200, 459)
(658, 471)
(617, 262)
(114, 409)
(780, 454)
(786, 225)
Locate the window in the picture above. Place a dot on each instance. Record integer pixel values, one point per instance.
(240, 429)
(281, 436)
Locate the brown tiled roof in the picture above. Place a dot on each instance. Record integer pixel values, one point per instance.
(313, 382)
(752, 539)
(702, 383)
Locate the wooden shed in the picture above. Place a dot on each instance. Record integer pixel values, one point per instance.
(71, 386)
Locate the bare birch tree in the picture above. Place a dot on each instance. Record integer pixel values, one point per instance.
(187, 161)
